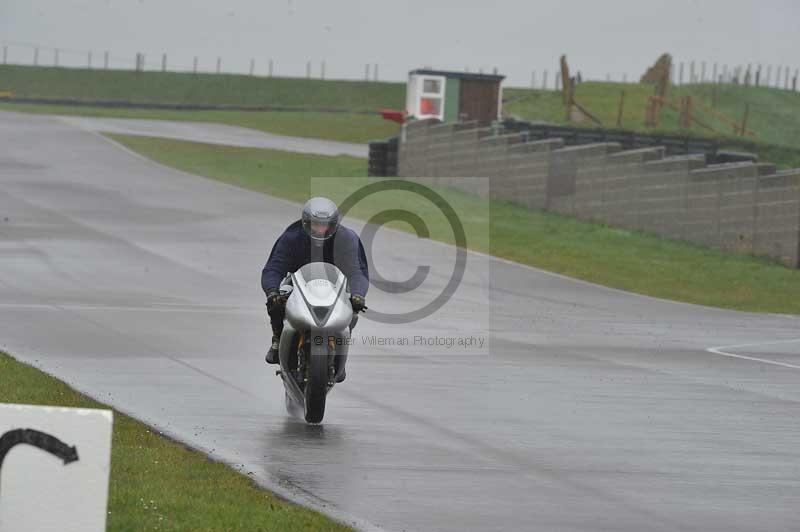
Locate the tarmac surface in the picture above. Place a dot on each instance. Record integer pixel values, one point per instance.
(211, 133)
(586, 409)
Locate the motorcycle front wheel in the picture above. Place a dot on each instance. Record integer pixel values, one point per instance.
(317, 384)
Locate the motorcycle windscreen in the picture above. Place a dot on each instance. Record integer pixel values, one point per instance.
(320, 283)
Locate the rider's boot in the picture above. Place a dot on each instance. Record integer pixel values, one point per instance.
(272, 354)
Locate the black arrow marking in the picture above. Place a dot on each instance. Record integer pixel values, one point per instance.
(39, 439)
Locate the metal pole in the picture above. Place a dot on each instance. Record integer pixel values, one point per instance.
(163, 62)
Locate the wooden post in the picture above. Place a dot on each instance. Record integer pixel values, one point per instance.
(565, 85)
(744, 119)
(621, 107)
(758, 76)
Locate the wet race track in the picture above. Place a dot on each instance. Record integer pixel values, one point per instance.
(585, 409)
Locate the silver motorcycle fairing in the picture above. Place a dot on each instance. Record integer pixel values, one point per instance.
(319, 305)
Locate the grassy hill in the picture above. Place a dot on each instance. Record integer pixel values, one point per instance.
(774, 115)
(202, 89)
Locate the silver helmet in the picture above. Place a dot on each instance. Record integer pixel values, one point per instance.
(320, 219)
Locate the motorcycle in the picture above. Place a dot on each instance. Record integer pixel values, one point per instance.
(315, 338)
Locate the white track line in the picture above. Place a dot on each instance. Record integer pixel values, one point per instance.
(719, 351)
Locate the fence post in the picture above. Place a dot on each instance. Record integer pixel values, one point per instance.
(544, 80)
(758, 76)
(163, 62)
(744, 119)
(105, 60)
(621, 105)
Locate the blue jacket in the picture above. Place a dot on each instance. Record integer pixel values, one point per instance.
(294, 249)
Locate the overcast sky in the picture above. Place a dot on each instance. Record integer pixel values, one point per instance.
(599, 37)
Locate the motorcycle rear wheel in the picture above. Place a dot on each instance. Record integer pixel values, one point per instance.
(317, 384)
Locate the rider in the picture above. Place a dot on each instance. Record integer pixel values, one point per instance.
(316, 237)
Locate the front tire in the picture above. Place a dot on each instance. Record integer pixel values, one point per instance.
(317, 383)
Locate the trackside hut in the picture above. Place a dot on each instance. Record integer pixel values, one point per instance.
(453, 96)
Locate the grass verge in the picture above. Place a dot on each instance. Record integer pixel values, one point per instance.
(158, 484)
(610, 256)
(343, 127)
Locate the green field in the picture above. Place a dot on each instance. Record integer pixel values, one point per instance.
(158, 484)
(614, 257)
(201, 89)
(774, 114)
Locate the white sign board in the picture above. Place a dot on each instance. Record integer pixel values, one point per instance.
(54, 465)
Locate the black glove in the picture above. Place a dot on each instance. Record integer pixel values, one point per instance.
(358, 303)
(275, 300)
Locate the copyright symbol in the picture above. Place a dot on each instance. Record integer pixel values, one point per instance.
(414, 220)
(318, 340)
